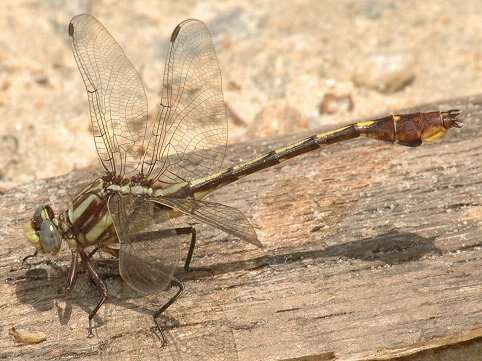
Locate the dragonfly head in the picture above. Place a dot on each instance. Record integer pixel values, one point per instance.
(42, 231)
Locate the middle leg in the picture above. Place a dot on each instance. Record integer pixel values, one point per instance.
(100, 286)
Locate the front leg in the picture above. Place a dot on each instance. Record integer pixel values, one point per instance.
(24, 260)
(73, 273)
(100, 286)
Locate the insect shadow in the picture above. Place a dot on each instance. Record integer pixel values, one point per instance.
(43, 287)
(393, 247)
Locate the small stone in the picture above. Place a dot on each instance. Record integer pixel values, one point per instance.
(42, 80)
(384, 72)
(275, 119)
(27, 337)
(234, 116)
(333, 103)
(6, 85)
(233, 86)
(8, 151)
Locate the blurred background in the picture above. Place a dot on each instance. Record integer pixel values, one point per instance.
(288, 66)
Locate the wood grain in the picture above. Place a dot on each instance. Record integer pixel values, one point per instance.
(372, 252)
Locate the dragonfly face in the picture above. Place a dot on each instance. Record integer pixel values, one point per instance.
(42, 231)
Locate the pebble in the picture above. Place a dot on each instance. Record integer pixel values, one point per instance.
(277, 118)
(27, 337)
(385, 72)
(333, 103)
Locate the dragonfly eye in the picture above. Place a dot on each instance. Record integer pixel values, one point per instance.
(50, 238)
(42, 213)
(41, 231)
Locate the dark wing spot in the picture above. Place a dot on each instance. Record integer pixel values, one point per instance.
(71, 29)
(175, 33)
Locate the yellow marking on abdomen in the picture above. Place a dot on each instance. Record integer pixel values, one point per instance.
(242, 165)
(197, 181)
(288, 147)
(364, 124)
(434, 134)
(326, 134)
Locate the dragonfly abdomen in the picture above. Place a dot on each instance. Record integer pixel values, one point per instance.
(411, 129)
(274, 157)
(405, 129)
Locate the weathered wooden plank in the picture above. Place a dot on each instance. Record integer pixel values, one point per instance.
(372, 252)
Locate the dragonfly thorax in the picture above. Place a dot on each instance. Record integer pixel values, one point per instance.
(131, 189)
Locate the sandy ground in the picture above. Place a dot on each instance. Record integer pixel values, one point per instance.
(279, 60)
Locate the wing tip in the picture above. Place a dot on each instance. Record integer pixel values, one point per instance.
(183, 23)
(175, 32)
(71, 29)
(78, 20)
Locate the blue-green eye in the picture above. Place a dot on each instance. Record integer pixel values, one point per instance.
(50, 237)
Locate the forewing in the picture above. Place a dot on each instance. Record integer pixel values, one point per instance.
(227, 219)
(117, 99)
(149, 247)
(188, 139)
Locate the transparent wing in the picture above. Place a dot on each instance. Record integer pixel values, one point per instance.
(188, 138)
(227, 219)
(117, 99)
(149, 247)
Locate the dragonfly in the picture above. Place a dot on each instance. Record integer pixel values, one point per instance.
(157, 169)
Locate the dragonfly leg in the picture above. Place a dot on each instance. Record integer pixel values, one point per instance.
(112, 251)
(192, 245)
(73, 273)
(94, 251)
(190, 252)
(165, 306)
(100, 285)
(24, 260)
